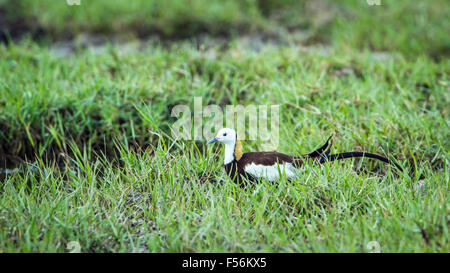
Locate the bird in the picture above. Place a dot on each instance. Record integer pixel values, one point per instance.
(272, 166)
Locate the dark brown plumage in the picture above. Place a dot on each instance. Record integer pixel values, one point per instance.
(236, 168)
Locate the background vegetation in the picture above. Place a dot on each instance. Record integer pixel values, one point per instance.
(85, 147)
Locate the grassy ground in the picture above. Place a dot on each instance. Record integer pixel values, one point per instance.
(97, 166)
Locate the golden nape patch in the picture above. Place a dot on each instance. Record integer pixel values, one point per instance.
(238, 150)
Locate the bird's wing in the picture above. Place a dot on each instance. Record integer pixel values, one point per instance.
(268, 165)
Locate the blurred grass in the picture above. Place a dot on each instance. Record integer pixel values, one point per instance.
(403, 26)
(410, 28)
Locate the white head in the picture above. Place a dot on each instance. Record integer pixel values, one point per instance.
(226, 136)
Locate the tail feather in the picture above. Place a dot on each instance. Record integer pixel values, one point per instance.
(322, 154)
(339, 156)
(324, 150)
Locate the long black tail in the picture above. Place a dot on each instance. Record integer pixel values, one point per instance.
(325, 158)
(323, 154)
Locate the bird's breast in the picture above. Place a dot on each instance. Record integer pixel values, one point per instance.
(271, 172)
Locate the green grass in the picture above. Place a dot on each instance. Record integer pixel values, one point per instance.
(51, 103)
(85, 140)
(331, 209)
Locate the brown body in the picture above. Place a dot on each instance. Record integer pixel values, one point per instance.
(236, 171)
(236, 168)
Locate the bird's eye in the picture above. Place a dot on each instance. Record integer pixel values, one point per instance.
(225, 134)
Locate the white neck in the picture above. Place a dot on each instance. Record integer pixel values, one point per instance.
(229, 153)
